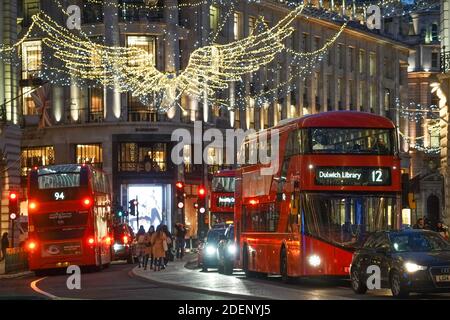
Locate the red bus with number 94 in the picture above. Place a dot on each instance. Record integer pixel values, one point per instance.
(69, 209)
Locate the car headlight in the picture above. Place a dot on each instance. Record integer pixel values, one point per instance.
(232, 249)
(314, 260)
(210, 250)
(412, 267)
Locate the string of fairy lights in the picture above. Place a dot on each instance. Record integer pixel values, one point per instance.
(130, 69)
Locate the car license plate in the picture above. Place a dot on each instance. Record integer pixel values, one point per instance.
(443, 278)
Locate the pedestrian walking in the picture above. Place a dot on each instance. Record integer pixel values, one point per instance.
(159, 247)
(147, 249)
(169, 240)
(140, 236)
(180, 240)
(150, 233)
(5, 245)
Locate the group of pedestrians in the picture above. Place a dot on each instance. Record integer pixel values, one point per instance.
(154, 246)
(425, 224)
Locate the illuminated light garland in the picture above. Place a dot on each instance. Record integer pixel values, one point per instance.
(210, 68)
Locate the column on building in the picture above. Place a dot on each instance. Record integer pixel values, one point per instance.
(112, 38)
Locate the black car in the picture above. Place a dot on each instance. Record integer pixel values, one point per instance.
(227, 251)
(207, 250)
(124, 243)
(409, 261)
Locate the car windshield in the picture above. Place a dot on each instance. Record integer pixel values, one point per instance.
(223, 184)
(214, 235)
(418, 242)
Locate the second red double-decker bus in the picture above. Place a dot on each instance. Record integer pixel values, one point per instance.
(338, 181)
(69, 217)
(222, 197)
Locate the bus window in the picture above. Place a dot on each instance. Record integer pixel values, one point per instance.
(352, 141)
(347, 219)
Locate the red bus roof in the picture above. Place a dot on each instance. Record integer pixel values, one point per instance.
(225, 173)
(338, 119)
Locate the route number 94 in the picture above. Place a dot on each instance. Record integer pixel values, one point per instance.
(59, 196)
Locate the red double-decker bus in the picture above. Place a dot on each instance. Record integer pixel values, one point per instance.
(339, 179)
(69, 217)
(222, 197)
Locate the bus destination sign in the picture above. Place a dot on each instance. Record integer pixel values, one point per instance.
(353, 176)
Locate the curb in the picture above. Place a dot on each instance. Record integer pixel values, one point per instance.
(16, 275)
(198, 290)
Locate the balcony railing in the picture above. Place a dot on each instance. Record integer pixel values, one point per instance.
(445, 60)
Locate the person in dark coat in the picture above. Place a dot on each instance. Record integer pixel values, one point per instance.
(169, 255)
(5, 245)
(181, 242)
(420, 224)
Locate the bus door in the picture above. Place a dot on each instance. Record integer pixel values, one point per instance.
(294, 229)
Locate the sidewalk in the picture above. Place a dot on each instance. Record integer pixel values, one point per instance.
(11, 275)
(176, 274)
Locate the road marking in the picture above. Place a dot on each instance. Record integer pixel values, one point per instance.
(34, 286)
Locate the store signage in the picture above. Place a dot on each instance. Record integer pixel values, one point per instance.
(353, 176)
(225, 201)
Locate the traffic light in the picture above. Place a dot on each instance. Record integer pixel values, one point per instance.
(119, 211)
(201, 200)
(133, 203)
(180, 194)
(13, 205)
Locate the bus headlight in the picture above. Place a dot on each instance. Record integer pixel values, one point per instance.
(232, 249)
(210, 250)
(314, 261)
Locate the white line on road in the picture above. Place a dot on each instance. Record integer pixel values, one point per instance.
(34, 286)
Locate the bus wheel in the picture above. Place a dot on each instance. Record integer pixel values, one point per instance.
(284, 267)
(248, 273)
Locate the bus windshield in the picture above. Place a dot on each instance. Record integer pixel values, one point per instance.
(352, 141)
(62, 176)
(347, 219)
(223, 184)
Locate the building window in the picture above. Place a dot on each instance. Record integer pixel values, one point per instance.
(373, 64)
(146, 43)
(36, 157)
(89, 154)
(251, 25)
(31, 59)
(30, 8)
(341, 56)
(214, 18)
(96, 103)
(305, 44)
(237, 26)
(316, 43)
(361, 95)
(435, 60)
(373, 98)
(434, 132)
(143, 157)
(351, 57)
(28, 106)
(362, 61)
(340, 89)
(237, 118)
(434, 32)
